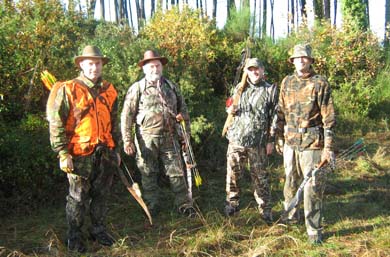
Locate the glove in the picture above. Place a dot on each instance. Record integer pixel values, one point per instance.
(232, 109)
(279, 145)
(129, 148)
(66, 163)
(330, 157)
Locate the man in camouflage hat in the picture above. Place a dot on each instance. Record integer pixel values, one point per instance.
(250, 141)
(82, 115)
(153, 107)
(305, 122)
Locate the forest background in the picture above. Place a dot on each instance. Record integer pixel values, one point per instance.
(36, 35)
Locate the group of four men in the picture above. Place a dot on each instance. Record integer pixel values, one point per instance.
(84, 131)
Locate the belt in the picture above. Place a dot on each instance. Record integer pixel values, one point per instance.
(304, 130)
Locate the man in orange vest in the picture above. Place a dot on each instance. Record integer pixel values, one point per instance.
(84, 132)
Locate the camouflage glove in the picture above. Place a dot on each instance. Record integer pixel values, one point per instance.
(66, 163)
(329, 155)
(129, 148)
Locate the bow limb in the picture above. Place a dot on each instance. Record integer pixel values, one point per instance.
(135, 195)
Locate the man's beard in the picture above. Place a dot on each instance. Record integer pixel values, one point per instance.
(153, 77)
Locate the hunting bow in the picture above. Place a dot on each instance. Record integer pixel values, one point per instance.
(245, 55)
(49, 80)
(135, 192)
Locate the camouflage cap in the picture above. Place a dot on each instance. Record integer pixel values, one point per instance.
(253, 62)
(301, 50)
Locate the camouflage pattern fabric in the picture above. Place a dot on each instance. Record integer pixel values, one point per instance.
(143, 106)
(305, 116)
(151, 152)
(90, 184)
(238, 157)
(254, 115)
(247, 136)
(297, 164)
(151, 110)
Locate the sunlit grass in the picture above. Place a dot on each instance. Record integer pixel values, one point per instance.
(356, 221)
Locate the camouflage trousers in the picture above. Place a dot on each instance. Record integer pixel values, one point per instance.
(153, 153)
(89, 186)
(237, 159)
(297, 164)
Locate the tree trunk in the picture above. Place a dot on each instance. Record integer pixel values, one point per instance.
(214, 11)
(318, 10)
(387, 23)
(142, 10)
(264, 24)
(91, 8)
(253, 19)
(303, 9)
(131, 14)
(152, 7)
(272, 27)
(327, 9)
(231, 5)
(102, 10)
(292, 15)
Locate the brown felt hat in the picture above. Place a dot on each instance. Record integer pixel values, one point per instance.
(301, 50)
(150, 55)
(90, 52)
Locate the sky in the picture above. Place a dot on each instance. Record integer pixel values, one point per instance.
(377, 14)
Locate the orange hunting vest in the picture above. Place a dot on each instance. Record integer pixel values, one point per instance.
(89, 120)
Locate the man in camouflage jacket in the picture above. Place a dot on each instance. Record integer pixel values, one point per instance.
(149, 124)
(249, 139)
(306, 121)
(82, 115)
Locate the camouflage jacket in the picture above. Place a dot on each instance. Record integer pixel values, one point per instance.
(253, 118)
(58, 111)
(305, 115)
(150, 111)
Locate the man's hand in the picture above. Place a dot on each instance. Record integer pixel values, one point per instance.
(66, 162)
(269, 148)
(179, 117)
(330, 157)
(129, 148)
(279, 145)
(232, 109)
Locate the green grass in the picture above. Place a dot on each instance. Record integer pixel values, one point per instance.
(356, 223)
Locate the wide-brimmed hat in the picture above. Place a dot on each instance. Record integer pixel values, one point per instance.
(90, 52)
(301, 50)
(253, 62)
(150, 55)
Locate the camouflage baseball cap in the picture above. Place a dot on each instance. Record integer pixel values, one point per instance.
(253, 62)
(301, 50)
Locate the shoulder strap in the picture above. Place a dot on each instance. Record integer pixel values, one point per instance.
(173, 87)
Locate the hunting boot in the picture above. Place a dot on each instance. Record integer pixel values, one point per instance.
(266, 215)
(315, 239)
(75, 243)
(100, 235)
(231, 210)
(187, 210)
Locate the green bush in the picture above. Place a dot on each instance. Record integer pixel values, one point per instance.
(28, 167)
